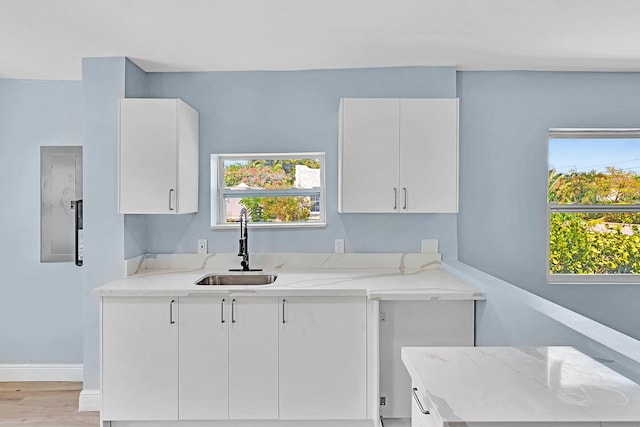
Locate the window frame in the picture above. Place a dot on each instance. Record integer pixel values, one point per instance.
(218, 191)
(586, 279)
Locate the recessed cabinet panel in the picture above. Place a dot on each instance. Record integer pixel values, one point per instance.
(417, 324)
(158, 157)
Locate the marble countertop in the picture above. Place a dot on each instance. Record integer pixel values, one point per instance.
(511, 385)
(377, 276)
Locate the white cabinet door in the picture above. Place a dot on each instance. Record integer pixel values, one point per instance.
(139, 358)
(158, 157)
(322, 358)
(253, 358)
(429, 155)
(368, 155)
(204, 358)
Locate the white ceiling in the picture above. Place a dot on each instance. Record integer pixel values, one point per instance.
(46, 39)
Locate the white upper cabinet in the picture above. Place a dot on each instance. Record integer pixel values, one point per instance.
(398, 155)
(158, 151)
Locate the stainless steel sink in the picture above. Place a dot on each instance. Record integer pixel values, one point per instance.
(237, 279)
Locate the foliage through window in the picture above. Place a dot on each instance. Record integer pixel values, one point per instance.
(285, 189)
(594, 205)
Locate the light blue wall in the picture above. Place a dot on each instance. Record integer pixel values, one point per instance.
(40, 303)
(504, 119)
(103, 82)
(294, 111)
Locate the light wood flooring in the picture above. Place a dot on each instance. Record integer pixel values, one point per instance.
(43, 404)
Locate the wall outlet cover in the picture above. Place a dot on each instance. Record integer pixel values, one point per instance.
(202, 246)
(429, 246)
(339, 246)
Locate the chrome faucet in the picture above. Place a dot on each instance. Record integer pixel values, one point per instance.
(243, 244)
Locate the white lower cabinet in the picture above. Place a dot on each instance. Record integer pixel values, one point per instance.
(323, 360)
(266, 358)
(204, 358)
(253, 359)
(228, 358)
(139, 358)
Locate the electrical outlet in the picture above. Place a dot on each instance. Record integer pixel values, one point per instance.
(429, 246)
(339, 246)
(202, 246)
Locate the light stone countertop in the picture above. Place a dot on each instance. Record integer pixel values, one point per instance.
(510, 386)
(377, 276)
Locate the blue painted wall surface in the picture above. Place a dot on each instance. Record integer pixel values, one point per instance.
(40, 303)
(103, 82)
(504, 120)
(294, 111)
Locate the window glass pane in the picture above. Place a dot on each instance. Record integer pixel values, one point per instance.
(271, 173)
(594, 171)
(594, 243)
(275, 209)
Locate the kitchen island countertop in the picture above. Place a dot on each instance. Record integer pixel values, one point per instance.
(514, 386)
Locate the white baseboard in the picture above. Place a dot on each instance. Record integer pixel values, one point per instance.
(41, 372)
(89, 400)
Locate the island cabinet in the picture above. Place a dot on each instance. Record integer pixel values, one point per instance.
(398, 155)
(228, 358)
(139, 358)
(322, 360)
(158, 157)
(517, 386)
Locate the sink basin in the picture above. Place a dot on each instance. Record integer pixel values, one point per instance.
(237, 279)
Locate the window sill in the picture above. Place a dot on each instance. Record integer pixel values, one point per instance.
(593, 279)
(269, 225)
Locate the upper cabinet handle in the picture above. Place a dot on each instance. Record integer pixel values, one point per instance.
(171, 199)
(405, 198)
(395, 198)
(415, 396)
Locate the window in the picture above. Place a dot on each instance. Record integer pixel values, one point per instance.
(277, 190)
(594, 206)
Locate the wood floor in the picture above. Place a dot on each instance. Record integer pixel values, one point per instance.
(43, 404)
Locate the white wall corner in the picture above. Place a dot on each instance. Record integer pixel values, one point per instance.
(41, 372)
(89, 401)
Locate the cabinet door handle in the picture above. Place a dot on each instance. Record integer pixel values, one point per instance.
(171, 199)
(233, 311)
(171, 321)
(395, 198)
(415, 396)
(405, 198)
(222, 311)
(283, 303)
